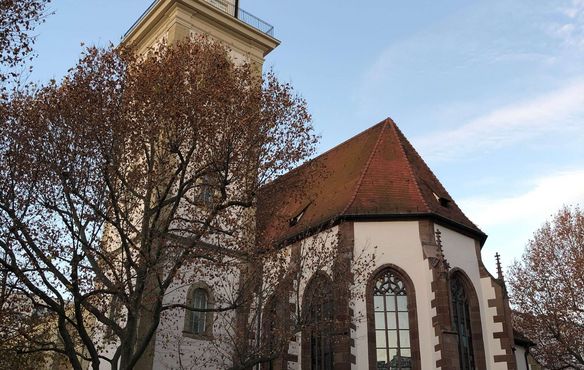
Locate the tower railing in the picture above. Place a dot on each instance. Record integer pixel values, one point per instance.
(227, 6)
(255, 22)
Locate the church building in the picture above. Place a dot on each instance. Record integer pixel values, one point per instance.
(424, 300)
(427, 302)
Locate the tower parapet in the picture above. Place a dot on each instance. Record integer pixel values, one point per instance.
(249, 37)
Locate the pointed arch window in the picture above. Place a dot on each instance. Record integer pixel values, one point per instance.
(275, 331)
(393, 348)
(270, 331)
(318, 315)
(461, 322)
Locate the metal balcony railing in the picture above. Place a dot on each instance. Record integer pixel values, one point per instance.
(255, 22)
(230, 8)
(227, 6)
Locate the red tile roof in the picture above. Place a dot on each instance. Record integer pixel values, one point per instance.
(375, 175)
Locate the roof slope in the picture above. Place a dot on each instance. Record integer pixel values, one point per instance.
(376, 174)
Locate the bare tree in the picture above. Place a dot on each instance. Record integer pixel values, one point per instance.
(292, 284)
(548, 291)
(18, 18)
(132, 175)
(19, 327)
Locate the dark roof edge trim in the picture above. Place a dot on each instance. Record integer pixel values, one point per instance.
(467, 231)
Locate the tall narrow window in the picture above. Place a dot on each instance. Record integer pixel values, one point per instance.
(270, 331)
(392, 323)
(318, 310)
(201, 302)
(275, 331)
(461, 323)
(198, 323)
(206, 190)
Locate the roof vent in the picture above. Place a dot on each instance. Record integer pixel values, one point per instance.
(444, 202)
(296, 219)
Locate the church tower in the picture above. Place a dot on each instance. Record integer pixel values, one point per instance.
(249, 38)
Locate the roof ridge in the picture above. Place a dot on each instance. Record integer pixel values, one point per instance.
(435, 178)
(426, 164)
(366, 167)
(364, 178)
(409, 165)
(308, 162)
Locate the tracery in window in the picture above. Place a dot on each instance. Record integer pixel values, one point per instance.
(392, 322)
(461, 323)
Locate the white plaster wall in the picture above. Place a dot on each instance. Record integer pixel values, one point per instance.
(460, 252)
(397, 243)
(318, 254)
(194, 353)
(173, 348)
(492, 345)
(237, 55)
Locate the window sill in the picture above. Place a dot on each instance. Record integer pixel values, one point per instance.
(204, 336)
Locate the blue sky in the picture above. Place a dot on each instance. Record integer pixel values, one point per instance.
(491, 93)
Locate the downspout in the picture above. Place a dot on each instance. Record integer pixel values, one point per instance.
(237, 9)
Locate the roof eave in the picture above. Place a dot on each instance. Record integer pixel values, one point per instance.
(333, 221)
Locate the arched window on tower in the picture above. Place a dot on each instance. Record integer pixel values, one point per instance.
(199, 321)
(318, 316)
(461, 322)
(393, 349)
(201, 302)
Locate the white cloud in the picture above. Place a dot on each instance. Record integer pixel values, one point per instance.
(511, 221)
(545, 196)
(559, 110)
(571, 31)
